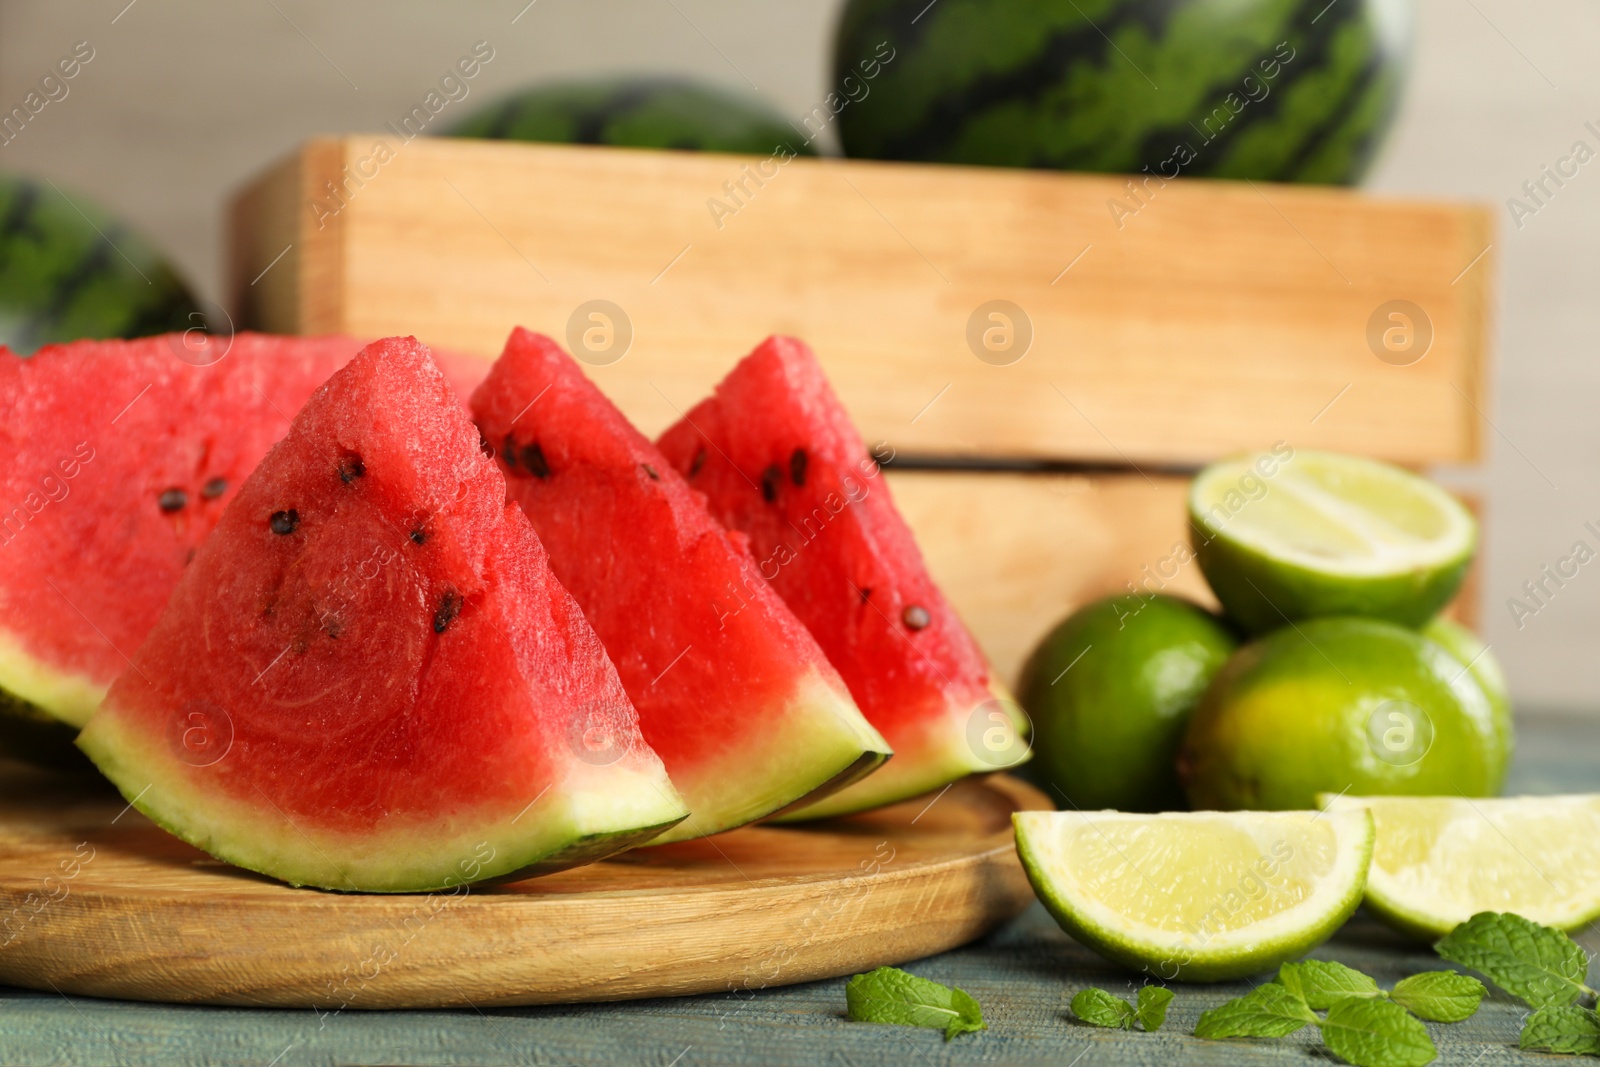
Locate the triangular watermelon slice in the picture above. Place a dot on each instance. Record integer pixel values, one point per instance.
(368, 678)
(779, 460)
(121, 456)
(733, 693)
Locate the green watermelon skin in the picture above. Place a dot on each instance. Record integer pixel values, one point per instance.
(69, 271)
(1166, 87)
(638, 113)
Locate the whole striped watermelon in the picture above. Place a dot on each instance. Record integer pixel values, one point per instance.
(68, 271)
(1280, 90)
(657, 112)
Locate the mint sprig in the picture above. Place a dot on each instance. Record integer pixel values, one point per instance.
(1323, 983)
(1268, 1010)
(890, 995)
(1099, 1008)
(1152, 1006)
(1538, 965)
(1562, 1028)
(1364, 1027)
(1439, 996)
(1373, 1032)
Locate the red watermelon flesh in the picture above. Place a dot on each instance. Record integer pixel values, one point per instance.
(368, 678)
(733, 693)
(779, 460)
(122, 456)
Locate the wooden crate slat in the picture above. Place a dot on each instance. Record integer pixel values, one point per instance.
(1221, 316)
(1016, 552)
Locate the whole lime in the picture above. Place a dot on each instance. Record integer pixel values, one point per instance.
(1469, 648)
(1110, 691)
(1339, 705)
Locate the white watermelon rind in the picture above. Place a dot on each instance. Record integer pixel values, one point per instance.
(594, 812)
(814, 745)
(71, 698)
(945, 751)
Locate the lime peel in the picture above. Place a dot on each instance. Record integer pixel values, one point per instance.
(1202, 896)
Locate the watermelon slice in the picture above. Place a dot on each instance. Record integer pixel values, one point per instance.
(121, 458)
(778, 459)
(732, 692)
(368, 678)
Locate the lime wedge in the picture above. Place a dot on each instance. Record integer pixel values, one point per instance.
(1287, 535)
(1202, 896)
(1440, 860)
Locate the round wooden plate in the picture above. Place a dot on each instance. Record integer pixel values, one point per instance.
(96, 900)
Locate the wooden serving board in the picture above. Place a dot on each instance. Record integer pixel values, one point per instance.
(96, 900)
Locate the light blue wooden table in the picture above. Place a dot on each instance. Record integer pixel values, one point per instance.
(1023, 975)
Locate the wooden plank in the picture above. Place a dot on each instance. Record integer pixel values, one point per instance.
(1017, 552)
(105, 903)
(1219, 316)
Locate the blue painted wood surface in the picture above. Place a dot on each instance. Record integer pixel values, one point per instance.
(1023, 975)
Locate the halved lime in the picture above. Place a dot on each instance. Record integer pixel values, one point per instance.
(1440, 860)
(1286, 535)
(1202, 896)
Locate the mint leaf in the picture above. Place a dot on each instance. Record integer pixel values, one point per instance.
(1574, 1031)
(890, 995)
(1372, 1032)
(1439, 996)
(1321, 983)
(1536, 964)
(1099, 1008)
(1268, 1010)
(1153, 1001)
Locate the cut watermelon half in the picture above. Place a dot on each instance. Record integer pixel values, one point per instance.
(122, 456)
(778, 459)
(368, 678)
(733, 693)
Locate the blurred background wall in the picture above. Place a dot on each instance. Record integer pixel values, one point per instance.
(185, 99)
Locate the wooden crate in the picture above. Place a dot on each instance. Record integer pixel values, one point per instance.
(1168, 323)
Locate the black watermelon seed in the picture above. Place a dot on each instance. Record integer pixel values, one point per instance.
(915, 617)
(449, 608)
(651, 471)
(508, 452)
(351, 468)
(697, 462)
(866, 593)
(769, 483)
(418, 537)
(334, 628)
(484, 446)
(285, 522)
(214, 488)
(173, 500)
(797, 466)
(532, 457)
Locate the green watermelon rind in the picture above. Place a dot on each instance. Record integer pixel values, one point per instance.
(266, 840)
(637, 112)
(26, 679)
(945, 754)
(818, 726)
(1120, 85)
(32, 735)
(68, 270)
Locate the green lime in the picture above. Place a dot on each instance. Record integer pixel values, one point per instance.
(1339, 705)
(1467, 647)
(1285, 535)
(1438, 861)
(1110, 690)
(1197, 896)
